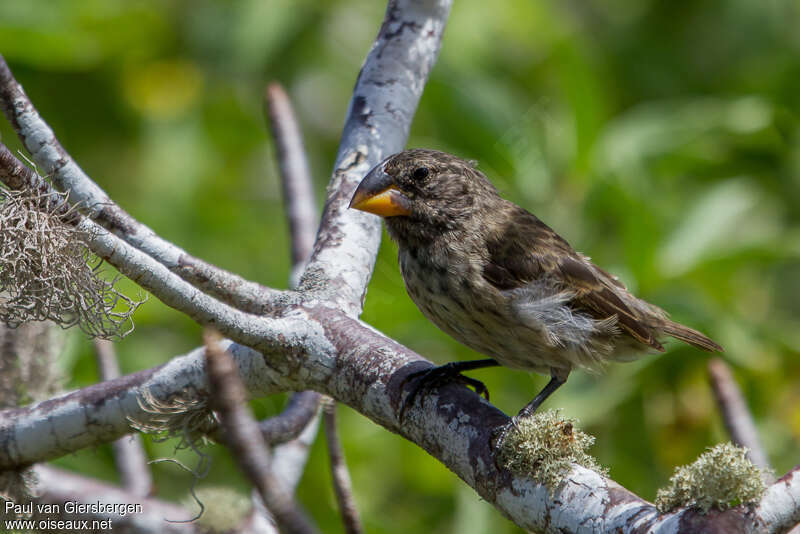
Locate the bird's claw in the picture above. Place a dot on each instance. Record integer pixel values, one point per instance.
(435, 377)
(479, 387)
(500, 433)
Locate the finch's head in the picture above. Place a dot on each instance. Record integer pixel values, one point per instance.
(420, 190)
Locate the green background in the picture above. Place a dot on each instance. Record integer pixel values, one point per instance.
(659, 137)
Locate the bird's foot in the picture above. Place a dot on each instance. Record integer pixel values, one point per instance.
(500, 433)
(438, 376)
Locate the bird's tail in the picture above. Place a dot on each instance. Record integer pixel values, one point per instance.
(690, 336)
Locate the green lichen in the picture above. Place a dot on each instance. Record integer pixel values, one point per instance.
(720, 478)
(544, 446)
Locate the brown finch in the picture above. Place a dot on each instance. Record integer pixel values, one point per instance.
(501, 281)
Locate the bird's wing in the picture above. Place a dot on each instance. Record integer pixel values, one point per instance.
(599, 294)
(526, 250)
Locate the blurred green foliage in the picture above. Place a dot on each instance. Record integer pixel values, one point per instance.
(659, 137)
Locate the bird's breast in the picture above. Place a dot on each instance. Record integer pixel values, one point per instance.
(450, 291)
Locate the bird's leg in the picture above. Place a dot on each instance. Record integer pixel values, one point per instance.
(436, 376)
(556, 381)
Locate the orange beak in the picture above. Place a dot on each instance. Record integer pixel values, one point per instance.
(377, 194)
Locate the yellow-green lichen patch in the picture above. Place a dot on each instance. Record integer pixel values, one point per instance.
(544, 446)
(720, 478)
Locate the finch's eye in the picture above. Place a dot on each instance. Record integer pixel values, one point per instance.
(421, 173)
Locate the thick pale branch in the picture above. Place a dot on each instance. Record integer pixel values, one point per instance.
(779, 509)
(176, 292)
(104, 412)
(50, 156)
(353, 363)
(455, 426)
(384, 100)
(289, 459)
(58, 487)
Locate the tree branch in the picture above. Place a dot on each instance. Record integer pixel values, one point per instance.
(735, 414)
(289, 459)
(288, 464)
(298, 194)
(146, 271)
(103, 412)
(354, 364)
(290, 423)
(384, 101)
(129, 455)
(40, 141)
(244, 438)
(341, 477)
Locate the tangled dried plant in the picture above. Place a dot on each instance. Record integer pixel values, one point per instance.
(187, 417)
(48, 273)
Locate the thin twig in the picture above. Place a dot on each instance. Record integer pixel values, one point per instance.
(289, 459)
(129, 454)
(244, 438)
(298, 193)
(735, 413)
(299, 411)
(342, 484)
(288, 463)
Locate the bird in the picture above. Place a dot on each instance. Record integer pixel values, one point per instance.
(499, 280)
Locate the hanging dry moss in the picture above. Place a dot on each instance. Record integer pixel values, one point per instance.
(47, 271)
